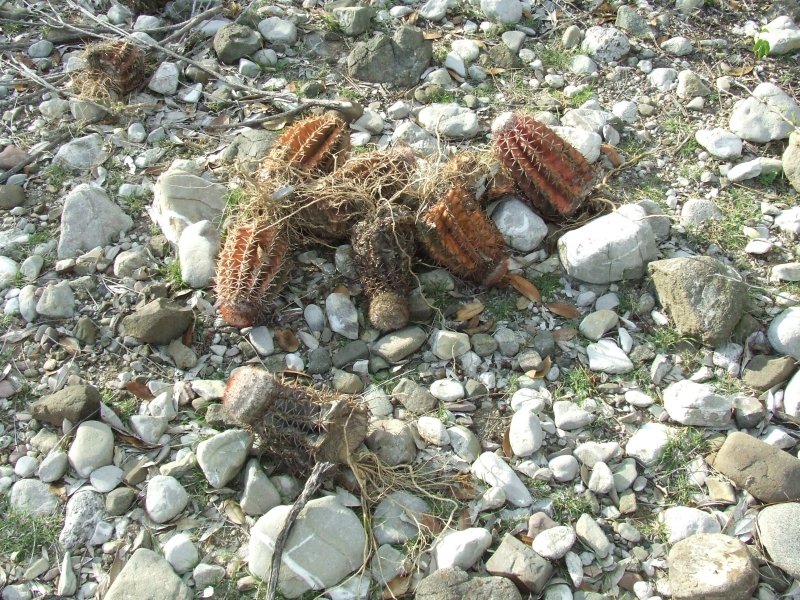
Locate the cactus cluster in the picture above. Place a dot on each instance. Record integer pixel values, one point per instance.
(117, 67)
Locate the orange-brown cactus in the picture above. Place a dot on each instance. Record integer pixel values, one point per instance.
(250, 267)
(457, 234)
(552, 175)
(315, 146)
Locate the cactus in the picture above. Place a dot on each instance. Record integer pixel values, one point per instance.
(250, 266)
(313, 146)
(118, 66)
(552, 175)
(298, 425)
(383, 245)
(457, 234)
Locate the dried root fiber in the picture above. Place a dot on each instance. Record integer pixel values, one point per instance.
(113, 69)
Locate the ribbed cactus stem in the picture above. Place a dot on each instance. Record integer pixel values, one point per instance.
(316, 145)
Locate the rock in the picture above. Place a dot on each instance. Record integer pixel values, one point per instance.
(711, 566)
(53, 467)
(465, 443)
(57, 301)
(260, 494)
(601, 480)
(522, 229)
(130, 261)
(165, 498)
(148, 428)
(233, 41)
(569, 416)
(75, 403)
(662, 78)
(181, 199)
(631, 21)
(158, 322)
(342, 315)
(589, 532)
(8, 272)
(181, 553)
(399, 60)
(454, 584)
(87, 203)
(165, 79)
(492, 470)
(791, 160)
(278, 31)
(791, 396)
(766, 472)
(690, 85)
(147, 575)
(81, 154)
(449, 120)
(184, 357)
(205, 575)
(610, 248)
(683, 521)
(397, 345)
(433, 431)
(746, 170)
(392, 441)
(704, 297)
(11, 196)
(447, 390)
(222, 456)
(93, 447)
(507, 12)
(449, 345)
(311, 538)
(719, 142)
(563, 467)
(355, 20)
(605, 44)
(197, 253)
(697, 211)
(648, 444)
(84, 511)
(460, 548)
(784, 332)
(106, 478)
(555, 542)
(525, 432)
(25, 466)
(778, 533)
(765, 372)
(586, 142)
(33, 497)
(595, 325)
(677, 46)
(590, 453)
(118, 501)
(605, 356)
(67, 582)
(765, 116)
(397, 518)
(782, 35)
(691, 403)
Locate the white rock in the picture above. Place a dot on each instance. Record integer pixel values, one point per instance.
(449, 120)
(447, 390)
(461, 548)
(691, 403)
(569, 416)
(507, 12)
(720, 142)
(586, 142)
(467, 49)
(165, 498)
(677, 46)
(782, 35)
(278, 31)
(647, 445)
(521, 228)
(261, 338)
(93, 447)
(222, 456)
(492, 470)
(791, 396)
(638, 399)
(165, 79)
(525, 432)
(89, 204)
(564, 467)
(765, 116)
(342, 315)
(433, 431)
(197, 253)
(181, 553)
(605, 356)
(601, 480)
(605, 44)
(555, 542)
(260, 494)
(8, 271)
(527, 398)
(683, 521)
(662, 78)
(745, 170)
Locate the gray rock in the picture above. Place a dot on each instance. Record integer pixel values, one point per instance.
(392, 441)
(397, 518)
(197, 253)
(492, 470)
(449, 345)
(311, 538)
(555, 542)
(507, 341)
(507, 12)
(778, 533)
(182, 198)
(205, 575)
(346, 383)
(697, 211)
(648, 444)
(631, 21)
(355, 20)
(342, 315)
(8, 272)
(414, 397)
(11, 196)
(81, 154)
(118, 501)
(610, 248)
(589, 532)
(397, 345)
(158, 322)
(784, 332)
(518, 562)
(165, 498)
(184, 357)
(74, 403)
(744, 460)
(765, 372)
(690, 85)
(782, 35)
(586, 142)
(106, 478)
(233, 41)
(53, 467)
(147, 575)
(765, 116)
(86, 112)
(260, 494)
(460, 548)
(682, 522)
(128, 262)
(720, 142)
(454, 584)
(711, 566)
(57, 301)
(449, 120)
(569, 416)
(165, 79)
(148, 428)
(605, 44)
(691, 403)
(93, 447)
(84, 511)
(465, 443)
(222, 456)
(40, 49)
(595, 325)
(400, 60)
(278, 31)
(89, 204)
(33, 497)
(522, 229)
(704, 297)
(791, 160)
(181, 553)
(662, 78)
(677, 46)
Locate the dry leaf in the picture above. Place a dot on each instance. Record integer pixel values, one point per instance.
(188, 336)
(275, 125)
(464, 492)
(480, 328)
(341, 289)
(397, 587)
(525, 539)
(469, 310)
(432, 34)
(287, 340)
(611, 154)
(430, 523)
(495, 71)
(525, 287)
(539, 373)
(562, 309)
(564, 334)
(507, 445)
(739, 71)
(234, 512)
(139, 390)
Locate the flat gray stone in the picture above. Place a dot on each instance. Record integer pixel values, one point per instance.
(147, 575)
(711, 566)
(779, 532)
(222, 456)
(89, 204)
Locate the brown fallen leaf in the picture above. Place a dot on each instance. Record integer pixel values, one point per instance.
(342, 289)
(564, 334)
(139, 390)
(526, 539)
(397, 587)
(432, 34)
(480, 328)
(739, 71)
(431, 523)
(562, 309)
(287, 340)
(469, 310)
(234, 512)
(507, 444)
(524, 287)
(539, 373)
(611, 154)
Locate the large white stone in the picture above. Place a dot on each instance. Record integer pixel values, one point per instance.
(784, 333)
(719, 142)
(493, 470)
(647, 445)
(461, 548)
(782, 35)
(449, 120)
(88, 204)
(525, 432)
(182, 198)
(521, 228)
(605, 356)
(767, 115)
(691, 403)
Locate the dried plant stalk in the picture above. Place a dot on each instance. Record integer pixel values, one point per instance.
(552, 175)
(117, 67)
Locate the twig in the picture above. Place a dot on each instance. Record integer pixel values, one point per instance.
(191, 23)
(313, 483)
(338, 105)
(19, 166)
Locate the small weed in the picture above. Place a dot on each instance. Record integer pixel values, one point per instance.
(653, 529)
(6, 321)
(22, 535)
(330, 23)
(738, 206)
(502, 307)
(581, 381)
(513, 383)
(555, 57)
(351, 94)
(768, 179)
(171, 272)
(760, 49)
(689, 149)
(665, 339)
(569, 506)
(579, 98)
(681, 449)
(196, 484)
(548, 284)
(18, 280)
(236, 197)
(56, 175)
(440, 95)
(539, 489)
(125, 407)
(438, 296)
(39, 237)
(440, 54)
(676, 125)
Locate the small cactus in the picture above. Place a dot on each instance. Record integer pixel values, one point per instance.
(457, 234)
(313, 146)
(117, 66)
(552, 175)
(383, 246)
(250, 266)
